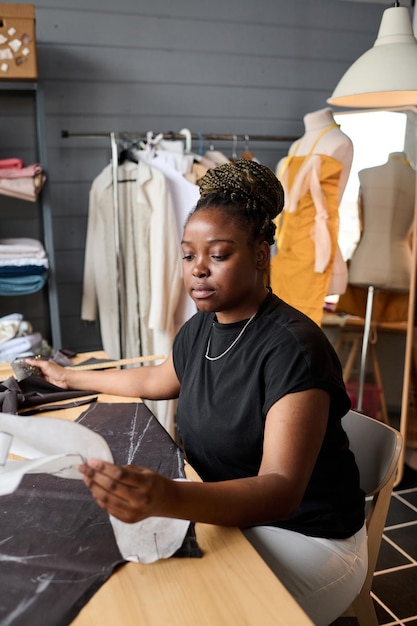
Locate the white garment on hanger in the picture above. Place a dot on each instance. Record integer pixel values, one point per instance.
(152, 265)
(185, 196)
(216, 157)
(151, 210)
(181, 161)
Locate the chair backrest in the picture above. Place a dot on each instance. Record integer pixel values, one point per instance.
(377, 449)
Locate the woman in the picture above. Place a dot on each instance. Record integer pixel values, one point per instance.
(261, 398)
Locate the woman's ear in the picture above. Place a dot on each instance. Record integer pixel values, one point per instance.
(263, 256)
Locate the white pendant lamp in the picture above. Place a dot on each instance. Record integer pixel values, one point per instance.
(386, 75)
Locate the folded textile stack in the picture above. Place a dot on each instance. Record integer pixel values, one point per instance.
(20, 181)
(17, 338)
(23, 266)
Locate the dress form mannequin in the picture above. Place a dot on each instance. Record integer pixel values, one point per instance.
(383, 256)
(334, 142)
(314, 176)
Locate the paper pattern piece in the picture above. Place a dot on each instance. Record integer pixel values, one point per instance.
(150, 540)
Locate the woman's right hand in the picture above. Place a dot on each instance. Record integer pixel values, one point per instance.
(52, 372)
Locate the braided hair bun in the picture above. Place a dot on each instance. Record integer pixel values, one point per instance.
(247, 190)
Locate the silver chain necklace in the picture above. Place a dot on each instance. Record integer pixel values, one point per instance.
(234, 342)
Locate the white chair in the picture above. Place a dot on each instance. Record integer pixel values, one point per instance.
(377, 448)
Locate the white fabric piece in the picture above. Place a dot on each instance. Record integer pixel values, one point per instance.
(18, 346)
(21, 247)
(9, 325)
(22, 261)
(55, 446)
(11, 317)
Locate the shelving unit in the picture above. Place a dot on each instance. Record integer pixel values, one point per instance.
(34, 91)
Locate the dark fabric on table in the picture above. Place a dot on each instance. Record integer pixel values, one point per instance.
(32, 391)
(57, 546)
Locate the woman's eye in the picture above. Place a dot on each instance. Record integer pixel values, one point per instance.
(219, 257)
(187, 257)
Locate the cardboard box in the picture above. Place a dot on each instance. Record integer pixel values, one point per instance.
(17, 42)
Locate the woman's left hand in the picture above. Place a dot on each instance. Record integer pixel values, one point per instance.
(127, 492)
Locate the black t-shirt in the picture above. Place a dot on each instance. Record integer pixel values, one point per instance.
(223, 405)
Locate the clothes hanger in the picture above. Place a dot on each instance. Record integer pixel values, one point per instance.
(150, 145)
(234, 148)
(215, 156)
(188, 139)
(247, 154)
(126, 153)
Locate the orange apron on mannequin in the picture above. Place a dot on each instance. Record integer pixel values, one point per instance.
(307, 230)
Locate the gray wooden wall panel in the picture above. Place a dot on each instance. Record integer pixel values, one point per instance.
(138, 32)
(227, 66)
(169, 67)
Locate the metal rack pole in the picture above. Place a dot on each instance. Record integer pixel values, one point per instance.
(194, 136)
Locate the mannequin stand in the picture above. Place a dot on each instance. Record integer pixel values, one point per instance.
(365, 343)
(354, 338)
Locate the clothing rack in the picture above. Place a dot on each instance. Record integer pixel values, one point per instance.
(115, 139)
(177, 136)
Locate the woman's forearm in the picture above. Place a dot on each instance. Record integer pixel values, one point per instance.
(132, 493)
(241, 502)
(115, 382)
(153, 382)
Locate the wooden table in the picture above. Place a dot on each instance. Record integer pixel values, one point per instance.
(229, 586)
